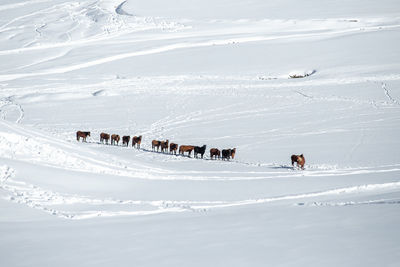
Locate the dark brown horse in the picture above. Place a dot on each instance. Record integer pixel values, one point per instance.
(155, 144)
(172, 148)
(183, 149)
(299, 159)
(80, 134)
(164, 146)
(104, 136)
(137, 140)
(200, 150)
(214, 152)
(115, 138)
(125, 140)
(228, 153)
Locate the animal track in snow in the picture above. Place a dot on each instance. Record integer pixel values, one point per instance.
(388, 95)
(62, 205)
(6, 104)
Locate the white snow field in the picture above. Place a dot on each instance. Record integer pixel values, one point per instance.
(269, 78)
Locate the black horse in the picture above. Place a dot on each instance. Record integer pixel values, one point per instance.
(199, 150)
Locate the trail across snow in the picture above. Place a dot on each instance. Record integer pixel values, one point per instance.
(269, 78)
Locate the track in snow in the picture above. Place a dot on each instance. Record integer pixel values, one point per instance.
(63, 205)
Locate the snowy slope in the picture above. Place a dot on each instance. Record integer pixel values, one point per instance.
(200, 72)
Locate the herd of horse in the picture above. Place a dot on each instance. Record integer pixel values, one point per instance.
(215, 153)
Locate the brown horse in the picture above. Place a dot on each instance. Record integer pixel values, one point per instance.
(173, 147)
(233, 152)
(115, 138)
(155, 144)
(125, 140)
(214, 152)
(104, 136)
(164, 145)
(183, 149)
(299, 159)
(137, 140)
(80, 134)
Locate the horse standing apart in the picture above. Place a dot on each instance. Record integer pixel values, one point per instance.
(137, 140)
(164, 145)
(199, 150)
(80, 134)
(155, 144)
(183, 149)
(299, 159)
(104, 136)
(173, 147)
(214, 152)
(125, 140)
(115, 138)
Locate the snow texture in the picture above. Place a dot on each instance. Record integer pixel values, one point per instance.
(269, 78)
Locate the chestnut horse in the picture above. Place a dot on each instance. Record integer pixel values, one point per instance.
(183, 149)
(199, 150)
(173, 147)
(233, 152)
(115, 138)
(154, 144)
(80, 134)
(299, 159)
(137, 140)
(125, 140)
(164, 145)
(104, 136)
(214, 152)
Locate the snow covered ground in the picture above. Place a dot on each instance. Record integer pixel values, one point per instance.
(200, 72)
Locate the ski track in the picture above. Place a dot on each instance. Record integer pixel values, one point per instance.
(157, 50)
(74, 9)
(53, 202)
(209, 85)
(22, 4)
(351, 203)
